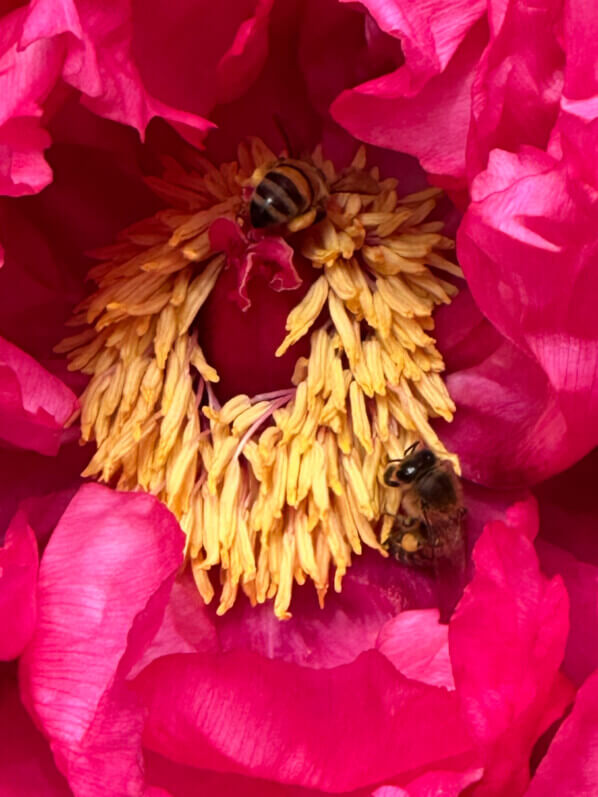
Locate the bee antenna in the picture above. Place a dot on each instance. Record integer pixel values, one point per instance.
(283, 133)
(411, 448)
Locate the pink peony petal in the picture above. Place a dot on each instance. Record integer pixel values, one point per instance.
(507, 640)
(430, 123)
(242, 713)
(23, 169)
(269, 256)
(417, 644)
(568, 510)
(374, 591)
(34, 405)
(26, 78)
(97, 190)
(41, 487)
(464, 336)
(433, 784)
(234, 337)
(182, 781)
(104, 581)
(574, 136)
(187, 626)
(527, 247)
(581, 581)
(206, 55)
(580, 38)
(569, 767)
(99, 62)
(485, 505)
(18, 579)
(26, 765)
(510, 429)
(515, 94)
(279, 87)
(576, 133)
(27, 73)
(361, 50)
(430, 31)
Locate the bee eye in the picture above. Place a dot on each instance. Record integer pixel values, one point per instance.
(428, 457)
(390, 476)
(406, 473)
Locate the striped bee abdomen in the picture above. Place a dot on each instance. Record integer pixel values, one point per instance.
(282, 194)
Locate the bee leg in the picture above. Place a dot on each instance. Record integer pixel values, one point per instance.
(320, 214)
(302, 221)
(407, 543)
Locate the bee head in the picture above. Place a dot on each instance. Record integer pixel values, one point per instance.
(260, 214)
(408, 469)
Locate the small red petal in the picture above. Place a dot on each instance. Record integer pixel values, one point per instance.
(240, 344)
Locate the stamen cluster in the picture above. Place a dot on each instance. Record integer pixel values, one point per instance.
(272, 488)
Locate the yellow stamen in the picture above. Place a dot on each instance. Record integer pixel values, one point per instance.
(303, 316)
(274, 488)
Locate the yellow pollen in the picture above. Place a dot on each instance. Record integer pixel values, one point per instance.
(409, 542)
(278, 488)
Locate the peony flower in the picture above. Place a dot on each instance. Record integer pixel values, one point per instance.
(134, 684)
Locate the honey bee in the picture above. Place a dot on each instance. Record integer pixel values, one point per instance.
(295, 192)
(428, 530)
(288, 190)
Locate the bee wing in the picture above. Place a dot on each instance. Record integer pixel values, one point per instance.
(356, 183)
(445, 529)
(446, 532)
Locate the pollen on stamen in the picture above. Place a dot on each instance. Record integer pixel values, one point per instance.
(278, 488)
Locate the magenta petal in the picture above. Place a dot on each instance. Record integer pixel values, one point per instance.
(207, 55)
(239, 712)
(240, 65)
(576, 132)
(34, 404)
(27, 74)
(271, 252)
(574, 136)
(528, 249)
(569, 767)
(186, 626)
(515, 94)
(23, 169)
(433, 784)
(580, 38)
(581, 581)
(99, 62)
(268, 256)
(181, 781)
(18, 579)
(374, 591)
(104, 581)
(417, 644)
(510, 428)
(41, 487)
(430, 31)
(430, 123)
(26, 765)
(507, 640)
(568, 510)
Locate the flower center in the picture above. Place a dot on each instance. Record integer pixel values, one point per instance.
(279, 486)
